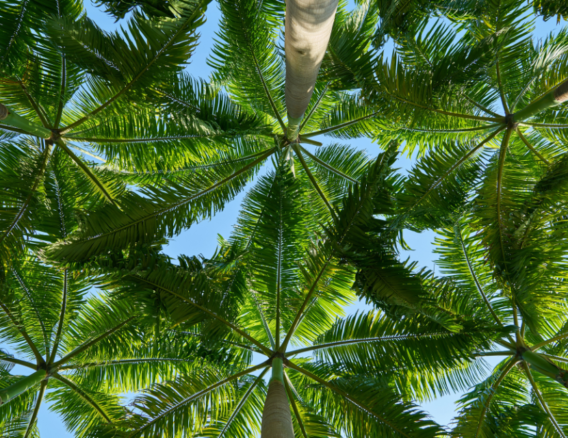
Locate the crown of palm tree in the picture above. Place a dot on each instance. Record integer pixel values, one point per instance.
(246, 127)
(63, 76)
(84, 352)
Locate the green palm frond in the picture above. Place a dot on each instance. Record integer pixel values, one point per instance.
(23, 169)
(349, 60)
(426, 360)
(246, 59)
(152, 8)
(195, 401)
(361, 406)
(82, 408)
(126, 62)
(22, 20)
(489, 409)
(439, 183)
(161, 212)
(549, 9)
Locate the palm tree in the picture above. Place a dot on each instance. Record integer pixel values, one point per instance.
(277, 290)
(525, 394)
(193, 116)
(84, 352)
(506, 271)
(181, 187)
(63, 78)
(458, 97)
(232, 136)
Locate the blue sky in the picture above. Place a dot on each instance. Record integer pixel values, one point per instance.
(202, 238)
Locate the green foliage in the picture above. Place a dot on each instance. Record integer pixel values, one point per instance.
(316, 230)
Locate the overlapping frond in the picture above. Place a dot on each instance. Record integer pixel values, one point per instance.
(247, 61)
(156, 212)
(361, 406)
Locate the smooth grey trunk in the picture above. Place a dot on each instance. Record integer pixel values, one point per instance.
(308, 28)
(276, 415)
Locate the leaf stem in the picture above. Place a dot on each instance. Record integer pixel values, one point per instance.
(543, 403)
(394, 338)
(531, 148)
(33, 418)
(497, 353)
(61, 318)
(120, 362)
(267, 92)
(473, 274)
(84, 396)
(61, 92)
(12, 129)
(501, 93)
(10, 118)
(543, 125)
(88, 172)
(549, 341)
(313, 180)
(37, 108)
(346, 396)
(264, 323)
(550, 356)
(18, 362)
(550, 99)
(328, 166)
(23, 332)
(91, 342)
(493, 388)
(502, 155)
(340, 126)
(21, 386)
(225, 341)
(481, 107)
(86, 152)
(448, 113)
(316, 105)
(28, 294)
(450, 131)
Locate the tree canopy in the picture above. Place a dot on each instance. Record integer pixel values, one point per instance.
(109, 148)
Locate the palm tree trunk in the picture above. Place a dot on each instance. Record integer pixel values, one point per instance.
(276, 416)
(10, 118)
(22, 386)
(552, 98)
(308, 28)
